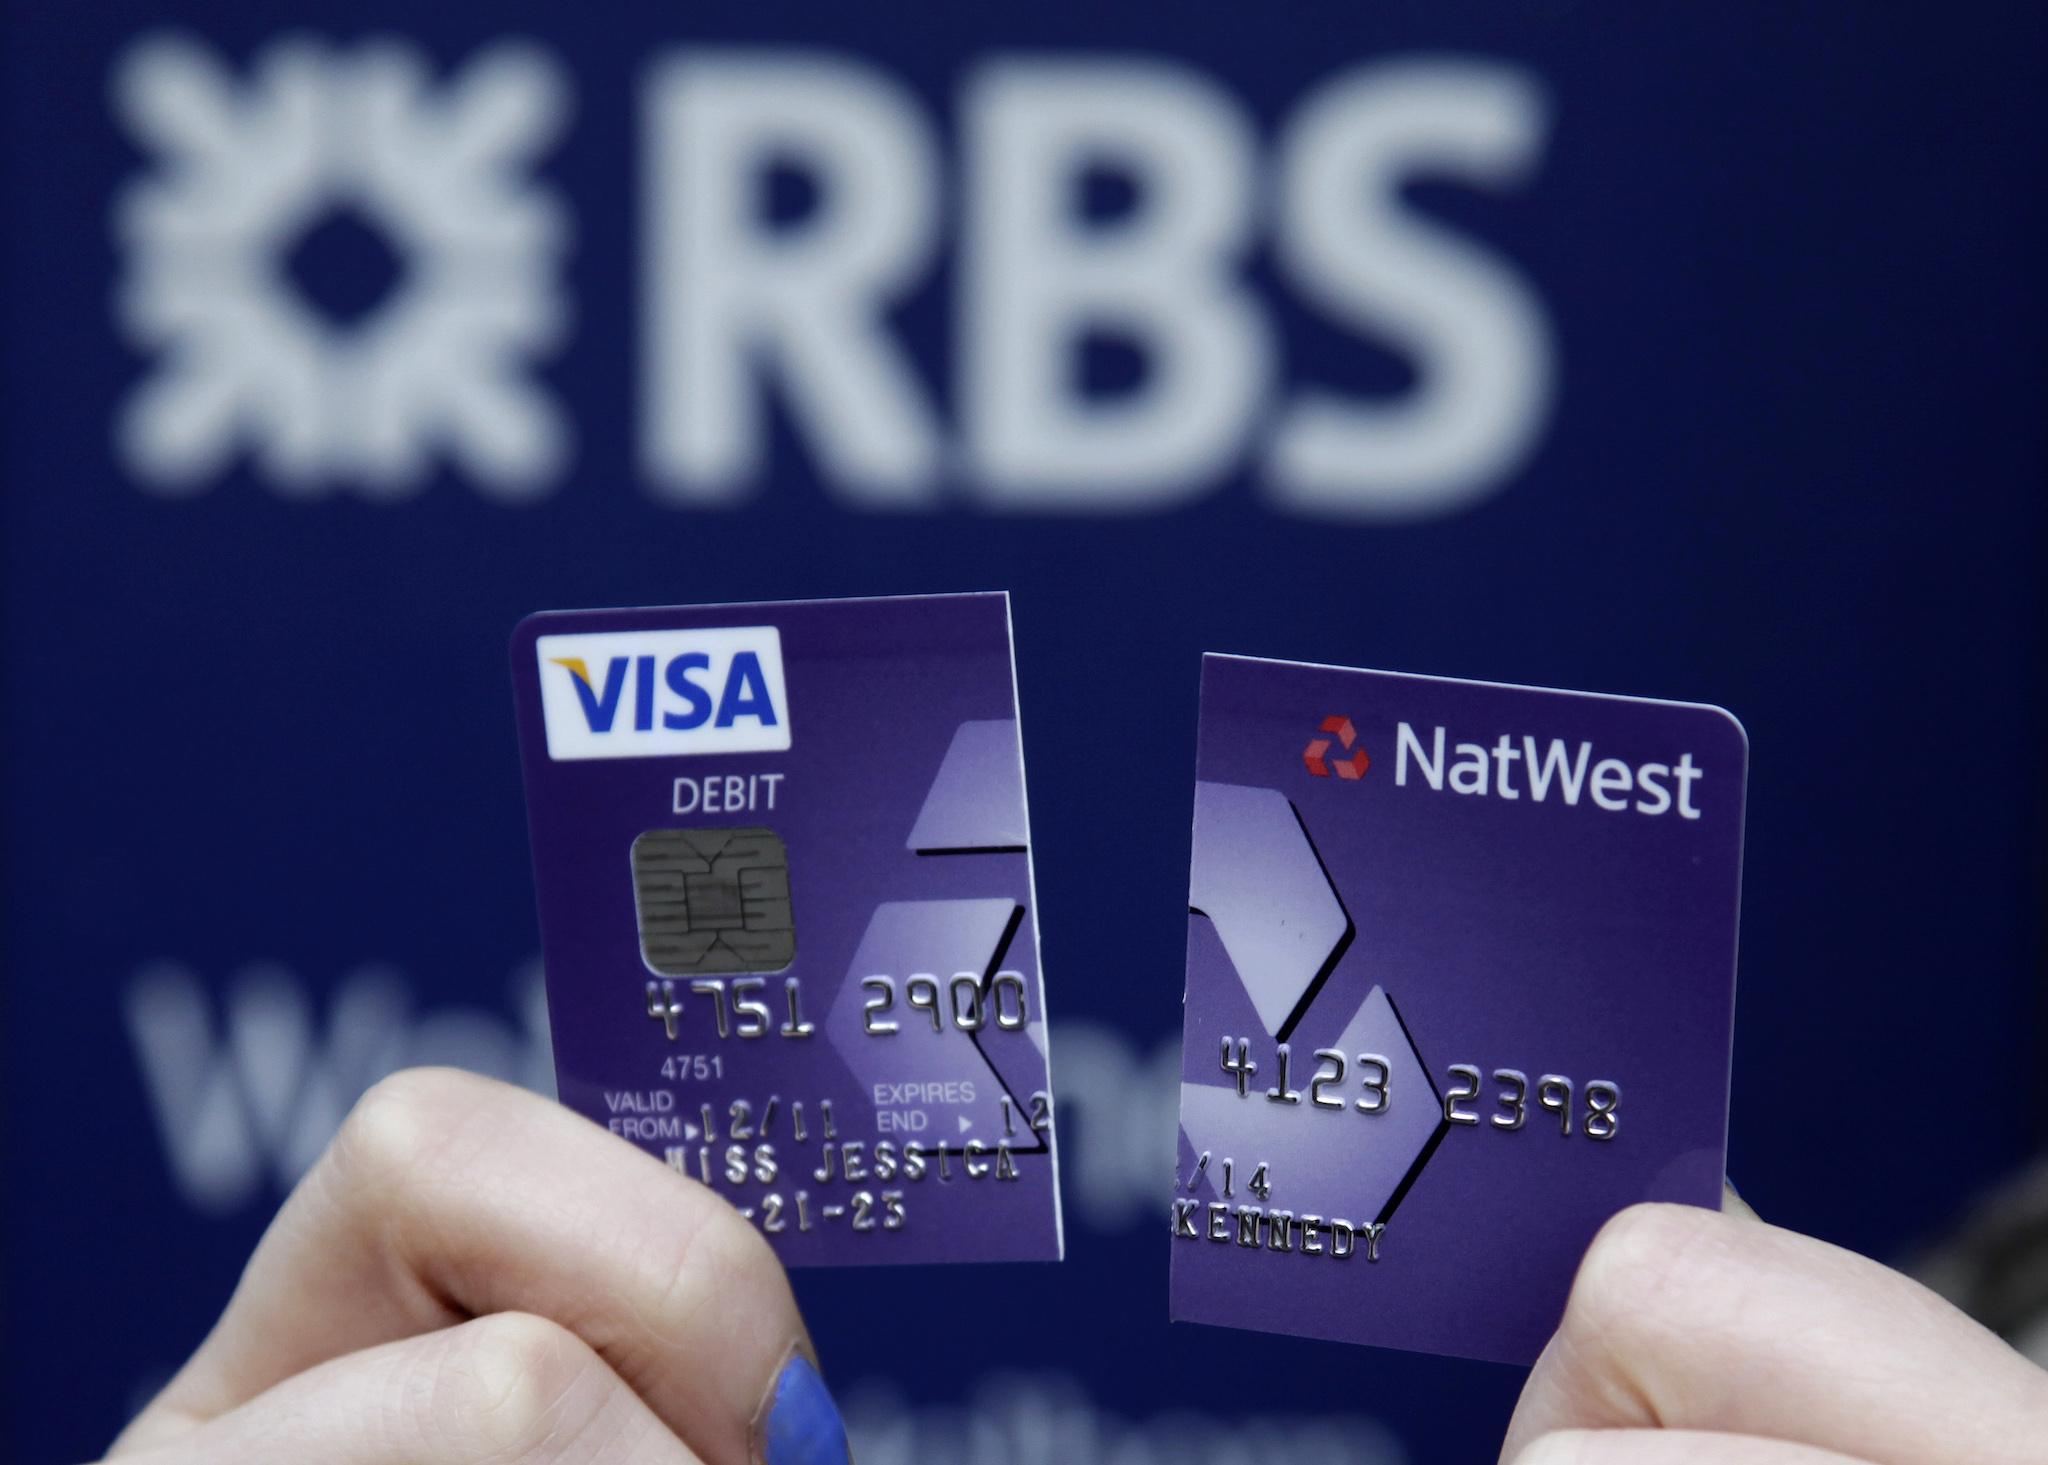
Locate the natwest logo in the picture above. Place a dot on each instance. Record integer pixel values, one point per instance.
(648, 694)
(1515, 768)
(1349, 761)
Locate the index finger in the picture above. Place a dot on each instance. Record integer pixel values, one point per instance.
(447, 1196)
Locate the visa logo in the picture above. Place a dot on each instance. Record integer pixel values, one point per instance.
(658, 694)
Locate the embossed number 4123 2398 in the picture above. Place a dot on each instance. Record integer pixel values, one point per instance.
(1555, 1094)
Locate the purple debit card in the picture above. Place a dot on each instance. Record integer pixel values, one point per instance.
(1460, 986)
(784, 869)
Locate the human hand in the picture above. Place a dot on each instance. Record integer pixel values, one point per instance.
(1700, 1339)
(472, 1274)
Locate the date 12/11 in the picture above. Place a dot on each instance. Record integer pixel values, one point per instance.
(1594, 1110)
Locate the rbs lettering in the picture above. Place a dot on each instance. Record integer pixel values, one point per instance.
(648, 694)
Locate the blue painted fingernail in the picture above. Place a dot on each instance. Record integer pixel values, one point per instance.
(803, 1425)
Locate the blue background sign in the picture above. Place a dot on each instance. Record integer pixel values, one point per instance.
(1681, 353)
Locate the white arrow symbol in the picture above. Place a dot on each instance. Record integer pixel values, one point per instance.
(689, 1131)
(965, 1124)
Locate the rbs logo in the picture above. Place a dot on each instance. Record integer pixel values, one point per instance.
(649, 694)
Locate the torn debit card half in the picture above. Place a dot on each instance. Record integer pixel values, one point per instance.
(1460, 986)
(784, 874)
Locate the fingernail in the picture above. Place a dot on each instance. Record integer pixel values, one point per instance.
(802, 1426)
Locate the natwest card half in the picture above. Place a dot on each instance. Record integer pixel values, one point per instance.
(1460, 986)
(784, 869)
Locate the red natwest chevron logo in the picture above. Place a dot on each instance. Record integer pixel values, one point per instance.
(1317, 754)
